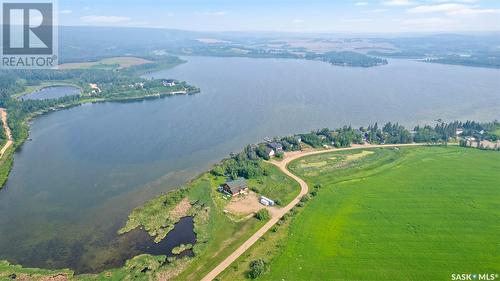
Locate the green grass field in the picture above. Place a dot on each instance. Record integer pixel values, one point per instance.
(275, 185)
(410, 214)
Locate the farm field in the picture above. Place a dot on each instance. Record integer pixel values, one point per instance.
(409, 214)
(107, 63)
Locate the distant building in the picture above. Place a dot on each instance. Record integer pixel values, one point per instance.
(168, 83)
(276, 146)
(459, 131)
(235, 187)
(266, 201)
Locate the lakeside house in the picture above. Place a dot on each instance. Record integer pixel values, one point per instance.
(235, 187)
(276, 146)
(269, 151)
(168, 83)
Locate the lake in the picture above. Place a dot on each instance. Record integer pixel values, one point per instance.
(52, 92)
(73, 185)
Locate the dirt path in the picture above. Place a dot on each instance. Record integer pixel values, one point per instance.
(8, 133)
(278, 213)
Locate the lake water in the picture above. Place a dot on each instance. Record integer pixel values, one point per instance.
(72, 187)
(52, 92)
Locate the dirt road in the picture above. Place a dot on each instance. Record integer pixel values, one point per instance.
(8, 133)
(278, 213)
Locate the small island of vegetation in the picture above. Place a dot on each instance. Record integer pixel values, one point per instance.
(348, 59)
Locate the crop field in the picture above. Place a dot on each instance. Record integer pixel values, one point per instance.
(107, 63)
(410, 214)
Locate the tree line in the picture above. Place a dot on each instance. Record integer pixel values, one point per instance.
(248, 163)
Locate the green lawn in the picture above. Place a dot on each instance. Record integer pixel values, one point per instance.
(413, 214)
(275, 185)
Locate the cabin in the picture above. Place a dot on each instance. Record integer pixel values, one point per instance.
(276, 146)
(168, 83)
(235, 187)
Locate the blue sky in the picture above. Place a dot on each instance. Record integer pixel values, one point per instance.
(365, 16)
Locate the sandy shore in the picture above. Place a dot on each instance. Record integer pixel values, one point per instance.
(10, 142)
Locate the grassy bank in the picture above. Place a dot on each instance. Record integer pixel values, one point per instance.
(409, 214)
(217, 233)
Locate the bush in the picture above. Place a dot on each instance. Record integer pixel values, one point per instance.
(305, 198)
(257, 268)
(262, 215)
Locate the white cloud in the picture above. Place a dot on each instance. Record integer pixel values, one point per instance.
(217, 13)
(421, 21)
(457, 1)
(397, 3)
(361, 3)
(65, 12)
(452, 9)
(378, 10)
(360, 20)
(297, 21)
(445, 8)
(104, 19)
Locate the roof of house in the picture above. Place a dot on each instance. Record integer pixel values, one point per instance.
(276, 145)
(268, 150)
(168, 80)
(237, 185)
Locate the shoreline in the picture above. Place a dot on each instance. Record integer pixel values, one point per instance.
(277, 214)
(8, 133)
(16, 144)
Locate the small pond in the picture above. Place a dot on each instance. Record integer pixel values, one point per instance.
(182, 234)
(52, 92)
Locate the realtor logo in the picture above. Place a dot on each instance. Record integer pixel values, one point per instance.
(28, 35)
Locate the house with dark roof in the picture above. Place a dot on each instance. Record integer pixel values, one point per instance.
(235, 187)
(269, 151)
(276, 146)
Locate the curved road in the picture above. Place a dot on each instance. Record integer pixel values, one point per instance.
(278, 213)
(3, 116)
